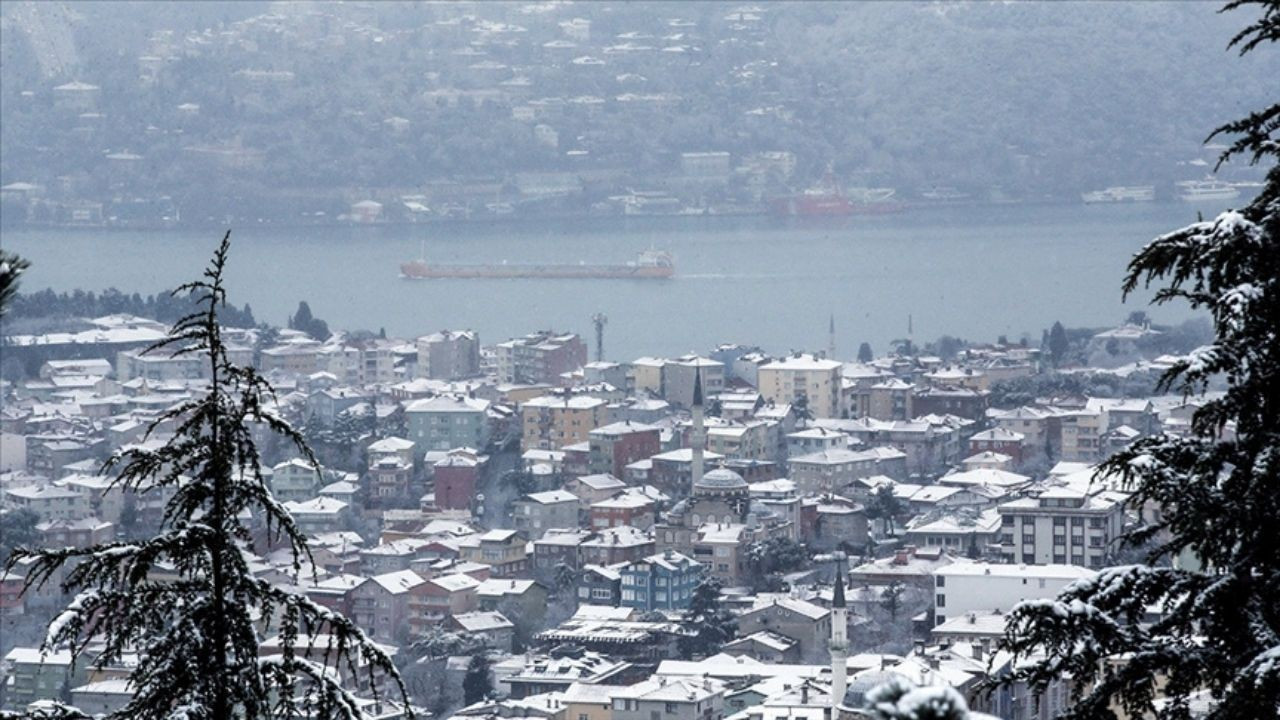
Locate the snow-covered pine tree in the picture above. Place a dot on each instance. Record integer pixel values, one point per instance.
(708, 624)
(1217, 640)
(197, 637)
(11, 267)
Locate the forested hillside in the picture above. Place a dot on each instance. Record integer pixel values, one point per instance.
(280, 105)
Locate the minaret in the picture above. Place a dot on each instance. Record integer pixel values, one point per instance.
(698, 438)
(831, 338)
(839, 638)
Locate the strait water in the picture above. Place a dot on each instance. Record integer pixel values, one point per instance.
(972, 272)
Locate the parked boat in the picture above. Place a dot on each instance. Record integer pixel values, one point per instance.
(648, 265)
(1121, 194)
(945, 194)
(828, 198)
(1207, 190)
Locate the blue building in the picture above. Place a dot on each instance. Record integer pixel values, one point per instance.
(660, 582)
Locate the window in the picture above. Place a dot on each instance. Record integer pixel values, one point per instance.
(671, 707)
(1095, 522)
(1059, 522)
(940, 600)
(941, 581)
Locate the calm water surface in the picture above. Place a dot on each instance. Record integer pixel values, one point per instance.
(966, 271)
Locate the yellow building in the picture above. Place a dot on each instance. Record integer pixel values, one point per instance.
(584, 701)
(646, 376)
(815, 379)
(551, 422)
(1082, 435)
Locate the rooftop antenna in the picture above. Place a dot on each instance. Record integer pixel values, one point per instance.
(599, 320)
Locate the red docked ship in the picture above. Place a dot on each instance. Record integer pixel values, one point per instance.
(828, 198)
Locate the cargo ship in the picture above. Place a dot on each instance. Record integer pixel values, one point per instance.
(648, 265)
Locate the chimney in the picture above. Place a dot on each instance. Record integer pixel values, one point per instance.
(933, 662)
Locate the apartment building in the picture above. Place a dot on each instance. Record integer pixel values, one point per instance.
(536, 513)
(660, 582)
(1082, 432)
(551, 422)
(617, 445)
(802, 378)
(448, 422)
(670, 699)
(541, 357)
(448, 355)
(1062, 525)
(963, 587)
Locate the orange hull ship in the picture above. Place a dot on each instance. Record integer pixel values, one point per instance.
(649, 265)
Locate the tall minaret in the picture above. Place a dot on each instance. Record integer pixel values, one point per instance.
(831, 338)
(698, 438)
(839, 638)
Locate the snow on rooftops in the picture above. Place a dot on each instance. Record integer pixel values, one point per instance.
(984, 476)
(972, 623)
(624, 427)
(601, 481)
(391, 444)
(577, 402)
(483, 621)
(398, 582)
(662, 689)
(448, 404)
(801, 607)
(975, 569)
(318, 506)
(34, 656)
(552, 496)
(802, 362)
(781, 487)
(456, 582)
(987, 456)
(999, 434)
(619, 536)
(684, 455)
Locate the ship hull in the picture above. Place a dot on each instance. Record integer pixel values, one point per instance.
(832, 206)
(422, 271)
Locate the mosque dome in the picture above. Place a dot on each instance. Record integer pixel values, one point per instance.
(721, 480)
(855, 695)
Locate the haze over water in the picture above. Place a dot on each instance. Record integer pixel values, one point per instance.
(972, 272)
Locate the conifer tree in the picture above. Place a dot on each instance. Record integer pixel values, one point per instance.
(1058, 343)
(11, 269)
(476, 684)
(198, 626)
(1213, 567)
(709, 623)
